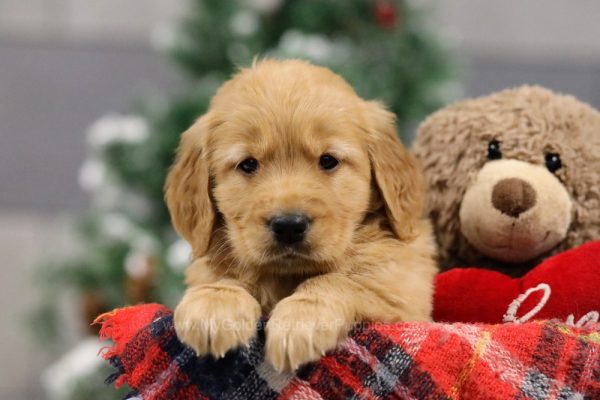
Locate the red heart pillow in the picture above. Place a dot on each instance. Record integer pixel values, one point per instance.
(565, 286)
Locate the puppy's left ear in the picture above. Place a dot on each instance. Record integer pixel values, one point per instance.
(396, 172)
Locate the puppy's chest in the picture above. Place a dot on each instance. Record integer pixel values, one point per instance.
(270, 290)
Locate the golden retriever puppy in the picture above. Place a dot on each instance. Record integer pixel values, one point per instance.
(298, 201)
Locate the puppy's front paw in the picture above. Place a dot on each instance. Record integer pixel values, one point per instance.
(215, 319)
(301, 330)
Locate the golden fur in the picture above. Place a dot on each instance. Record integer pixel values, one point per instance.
(367, 257)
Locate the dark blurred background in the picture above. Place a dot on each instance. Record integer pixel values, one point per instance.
(67, 63)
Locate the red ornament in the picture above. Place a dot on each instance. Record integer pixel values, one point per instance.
(385, 13)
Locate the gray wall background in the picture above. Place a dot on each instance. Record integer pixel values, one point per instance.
(49, 95)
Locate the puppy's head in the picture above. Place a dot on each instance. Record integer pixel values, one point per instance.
(287, 162)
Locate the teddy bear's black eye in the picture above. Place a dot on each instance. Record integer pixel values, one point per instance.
(249, 165)
(553, 162)
(494, 152)
(328, 162)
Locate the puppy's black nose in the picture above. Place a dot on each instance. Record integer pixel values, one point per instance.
(289, 228)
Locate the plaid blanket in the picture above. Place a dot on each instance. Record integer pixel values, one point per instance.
(537, 360)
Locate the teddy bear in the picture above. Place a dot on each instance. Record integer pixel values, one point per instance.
(513, 191)
(513, 178)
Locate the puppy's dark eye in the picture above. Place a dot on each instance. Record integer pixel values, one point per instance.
(494, 152)
(248, 166)
(553, 162)
(328, 162)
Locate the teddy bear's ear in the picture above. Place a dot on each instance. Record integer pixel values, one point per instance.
(187, 191)
(395, 171)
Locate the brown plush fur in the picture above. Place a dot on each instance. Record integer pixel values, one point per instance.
(528, 122)
(367, 257)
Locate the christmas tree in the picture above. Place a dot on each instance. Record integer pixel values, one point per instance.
(129, 251)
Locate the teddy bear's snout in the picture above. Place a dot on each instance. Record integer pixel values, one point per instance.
(514, 211)
(513, 196)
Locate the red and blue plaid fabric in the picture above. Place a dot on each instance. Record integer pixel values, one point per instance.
(537, 360)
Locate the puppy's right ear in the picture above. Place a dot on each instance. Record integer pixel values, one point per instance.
(187, 191)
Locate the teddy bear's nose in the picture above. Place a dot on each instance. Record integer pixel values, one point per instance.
(513, 196)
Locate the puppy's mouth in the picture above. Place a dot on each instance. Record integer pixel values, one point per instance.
(291, 253)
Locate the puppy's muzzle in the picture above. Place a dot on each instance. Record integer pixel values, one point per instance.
(289, 229)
